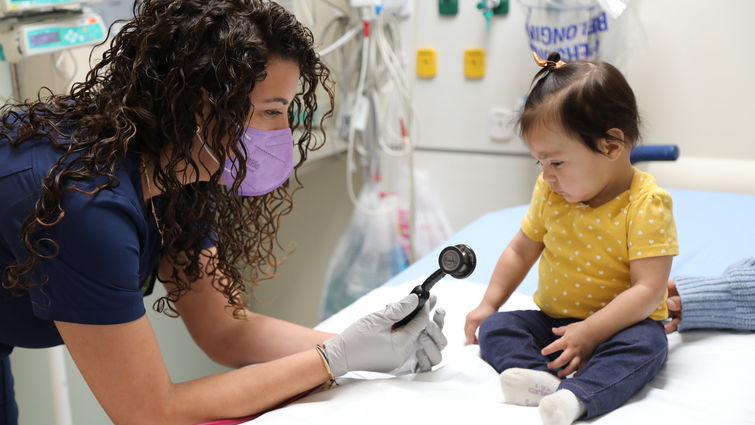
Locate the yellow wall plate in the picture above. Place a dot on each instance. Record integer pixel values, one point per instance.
(474, 62)
(427, 62)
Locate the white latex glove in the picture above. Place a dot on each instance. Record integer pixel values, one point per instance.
(432, 341)
(371, 345)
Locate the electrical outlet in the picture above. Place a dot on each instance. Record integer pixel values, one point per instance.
(502, 124)
(427, 62)
(474, 63)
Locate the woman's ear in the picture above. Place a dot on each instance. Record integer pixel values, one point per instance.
(613, 145)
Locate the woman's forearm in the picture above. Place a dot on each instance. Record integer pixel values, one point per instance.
(123, 367)
(259, 338)
(247, 391)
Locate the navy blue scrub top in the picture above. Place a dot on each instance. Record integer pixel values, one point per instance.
(109, 250)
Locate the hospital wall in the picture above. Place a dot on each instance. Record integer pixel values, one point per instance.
(689, 67)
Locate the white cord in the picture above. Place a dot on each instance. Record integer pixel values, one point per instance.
(376, 92)
(399, 76)
(402, 140)
(392, 105)
(351, 148)
(391, 59)
(345, 38)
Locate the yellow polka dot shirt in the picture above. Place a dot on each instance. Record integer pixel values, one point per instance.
(585, 263)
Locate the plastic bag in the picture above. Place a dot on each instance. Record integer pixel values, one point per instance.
(367, 255)
(376, 247)
(574, 28)
(431, 227)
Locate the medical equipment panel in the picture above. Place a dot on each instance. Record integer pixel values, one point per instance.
(13, 7)
(31, 36)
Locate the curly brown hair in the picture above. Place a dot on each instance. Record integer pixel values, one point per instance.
(174, 62)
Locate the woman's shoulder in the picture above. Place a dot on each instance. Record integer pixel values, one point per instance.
(32, 161)
(123, 195)
(24, 146)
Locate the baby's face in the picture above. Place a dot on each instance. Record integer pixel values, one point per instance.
(570, 168)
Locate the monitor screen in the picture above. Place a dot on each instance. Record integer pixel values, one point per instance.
(44, 38)
(32, 3)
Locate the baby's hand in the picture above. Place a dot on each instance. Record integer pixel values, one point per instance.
(577, 347)
(474, 318)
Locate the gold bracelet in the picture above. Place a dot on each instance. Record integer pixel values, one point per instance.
(321, 351)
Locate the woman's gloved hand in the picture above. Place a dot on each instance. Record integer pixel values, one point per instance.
(371, 345)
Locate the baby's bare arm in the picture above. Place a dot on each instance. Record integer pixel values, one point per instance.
(649, 282)
(511, 268)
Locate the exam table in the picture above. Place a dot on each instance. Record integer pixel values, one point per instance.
(707, 379)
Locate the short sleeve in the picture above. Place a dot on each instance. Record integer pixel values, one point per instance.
(651, 228)
(208, 242)
(94, 279)
(533, 225)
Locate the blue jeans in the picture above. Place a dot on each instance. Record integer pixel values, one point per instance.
(8, 407)
(617, 369)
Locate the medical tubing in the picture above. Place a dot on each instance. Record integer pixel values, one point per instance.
(367, 47)
(392, 62)
(376, 40)
(350, 161)
(412, 225)
(396, 74)
(395, 71)
(345, 38)
(410, 130)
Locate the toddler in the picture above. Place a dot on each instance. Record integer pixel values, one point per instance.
(605, 236)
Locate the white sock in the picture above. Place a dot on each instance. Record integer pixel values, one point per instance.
(526, 387)
(561, 408)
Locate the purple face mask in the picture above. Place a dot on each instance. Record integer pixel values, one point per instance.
(269, 162)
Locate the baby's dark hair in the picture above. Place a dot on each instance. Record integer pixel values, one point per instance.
(586, 98)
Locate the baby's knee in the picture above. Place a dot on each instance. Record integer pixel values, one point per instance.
(502, 325)
(647, 336)
(492, 323)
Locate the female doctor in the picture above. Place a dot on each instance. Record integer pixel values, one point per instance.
(171, 160)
